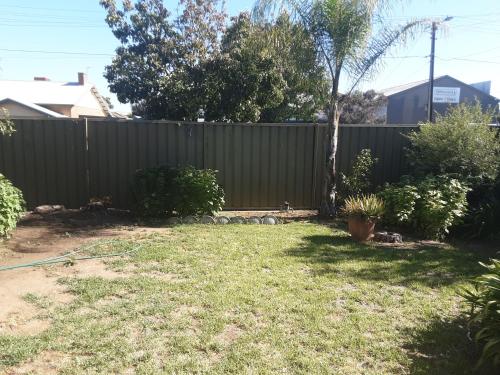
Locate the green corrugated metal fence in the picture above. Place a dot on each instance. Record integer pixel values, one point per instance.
(260, 165)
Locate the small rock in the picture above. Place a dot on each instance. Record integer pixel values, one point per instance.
(270, 220)
(207, 219)
(190, 220)
(238, 220)
(254, 220)
(48, 209)
(388, 237)
(222, 220)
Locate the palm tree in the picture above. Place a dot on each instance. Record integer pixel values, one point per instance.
(350, 38)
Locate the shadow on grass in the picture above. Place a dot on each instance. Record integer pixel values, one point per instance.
(432, 264)
(443, 347)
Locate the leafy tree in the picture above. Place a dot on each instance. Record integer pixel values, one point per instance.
(362, 108)
(292, 48)
(459, 142)
(350, 38)
(156, 68)
(242, 81)
(6, 124)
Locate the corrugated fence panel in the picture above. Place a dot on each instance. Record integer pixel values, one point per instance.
(46, 159)
(260, 166)
(119, 148)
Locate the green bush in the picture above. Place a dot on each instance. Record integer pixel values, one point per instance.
(459, 143)
(484, 302)
(483, 217)
(359, 180)
(431, 206)
(164, 191)
(400, 200)
(11, 206)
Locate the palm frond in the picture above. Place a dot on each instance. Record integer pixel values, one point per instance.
(362, 67)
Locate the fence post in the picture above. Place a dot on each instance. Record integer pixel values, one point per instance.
(314, 164)
(205, 148)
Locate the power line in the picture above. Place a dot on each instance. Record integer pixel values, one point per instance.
(56, 52)
(470, 60)
(51, 9)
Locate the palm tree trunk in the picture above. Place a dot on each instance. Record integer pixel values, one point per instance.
(329, 189)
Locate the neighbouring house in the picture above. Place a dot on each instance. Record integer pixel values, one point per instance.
(42, 98)
(407, 104)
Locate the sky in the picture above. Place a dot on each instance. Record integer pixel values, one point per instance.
(59, 38)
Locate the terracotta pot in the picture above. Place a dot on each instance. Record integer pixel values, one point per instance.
(361, 229)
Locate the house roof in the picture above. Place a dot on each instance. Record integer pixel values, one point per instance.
(49, 92)
(398, 89)
(32, 106)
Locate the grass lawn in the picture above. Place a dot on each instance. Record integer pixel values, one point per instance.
(293, 298)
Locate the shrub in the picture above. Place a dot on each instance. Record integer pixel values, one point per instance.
(460, 142)
(431, 206)
(400, 201)
(164, 191)
(484, 301)
(359, 180)
(198, 192)
(366, 207)
(483, 218)
(11, 206)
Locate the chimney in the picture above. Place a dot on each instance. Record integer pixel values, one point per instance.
(82, 78)
(41, 79)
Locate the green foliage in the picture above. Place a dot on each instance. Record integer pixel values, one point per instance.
(460, 143)
(484, 302)
(367, 207)
(164, 191)
(6, 124)
(359, 181)
(11, 206)
(483, 217)
(362, 108)
(198, 191)
(178, 68)
(431, 206)
(400, 201)
(157, 67)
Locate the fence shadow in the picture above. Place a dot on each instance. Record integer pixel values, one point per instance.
(431, 264)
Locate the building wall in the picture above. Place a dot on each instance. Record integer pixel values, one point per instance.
(63, 109)
(77, 111)
(410, 106)
(19, 111)
(74, 111)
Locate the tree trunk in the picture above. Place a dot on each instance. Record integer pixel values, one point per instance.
(329, 189)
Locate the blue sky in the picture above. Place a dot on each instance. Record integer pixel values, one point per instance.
(469, 49)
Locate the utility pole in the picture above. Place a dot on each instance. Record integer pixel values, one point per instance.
(430, 104)
(431, 73)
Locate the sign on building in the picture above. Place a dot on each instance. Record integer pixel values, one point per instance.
(446, 94)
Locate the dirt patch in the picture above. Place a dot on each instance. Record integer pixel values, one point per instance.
(46, 363)
(229, 334)
(18, 316)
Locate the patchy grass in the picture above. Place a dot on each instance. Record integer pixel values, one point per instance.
(294, 298)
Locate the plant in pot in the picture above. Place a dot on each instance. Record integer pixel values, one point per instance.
(362, 213)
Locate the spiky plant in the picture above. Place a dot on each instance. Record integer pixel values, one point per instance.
(366, 207)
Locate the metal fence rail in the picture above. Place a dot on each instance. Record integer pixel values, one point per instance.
(260, 165)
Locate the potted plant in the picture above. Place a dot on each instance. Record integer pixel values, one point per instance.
(362, 213)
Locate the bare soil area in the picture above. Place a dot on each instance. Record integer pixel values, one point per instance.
(42, 236)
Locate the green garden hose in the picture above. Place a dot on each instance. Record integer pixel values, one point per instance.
(69, 257)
